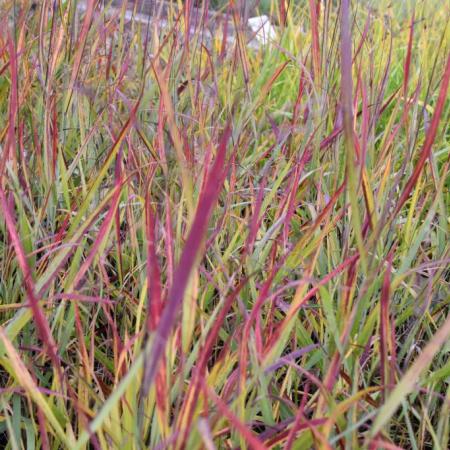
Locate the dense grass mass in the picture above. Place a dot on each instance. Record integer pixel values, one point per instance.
(212, 246)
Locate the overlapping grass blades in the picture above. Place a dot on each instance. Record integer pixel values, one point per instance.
(209, 245)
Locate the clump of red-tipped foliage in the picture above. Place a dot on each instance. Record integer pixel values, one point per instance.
(213, 240)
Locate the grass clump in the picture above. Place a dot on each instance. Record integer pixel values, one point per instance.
(219, 246)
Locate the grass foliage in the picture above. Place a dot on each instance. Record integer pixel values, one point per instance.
(205, 246)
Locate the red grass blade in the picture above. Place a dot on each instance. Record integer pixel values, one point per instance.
(155, 304)
(187, 261)
(251, 439)
(39, 316)
(100, 236)
(314, 10)
(80, 46)
(200, 368)
(429, 139)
